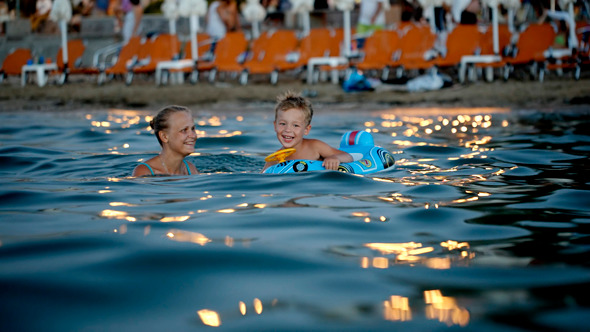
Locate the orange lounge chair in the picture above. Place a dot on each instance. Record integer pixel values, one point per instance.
(583, 52)
(378, 51)
(267, 51)
(226, 55)
(203, 47)
(574, 59)
(315, 44)
(336, 49)
(127, 55)
(486, 40)
(462, 40)
(76, 49)
(14, 61)
(186, 63)
(486, 45)
(529, 49)
(337, 42)
(413, 48)
(164, 47)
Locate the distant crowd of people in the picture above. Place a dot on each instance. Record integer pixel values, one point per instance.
(224, 15)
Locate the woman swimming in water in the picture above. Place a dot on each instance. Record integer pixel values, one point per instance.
(174, 128)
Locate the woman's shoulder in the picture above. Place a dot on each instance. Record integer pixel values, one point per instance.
(143, 168)
(192, 168)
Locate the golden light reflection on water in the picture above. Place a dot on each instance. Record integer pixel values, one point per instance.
(397, 308)
(257, 306)
(242, 307)
(213, 121)
(179, 235)
(241, 206)
(396, 197)
(186, 236)
(229, 241)
(452, 245)
(457, 121)
(392, 248)
(213, 318)
(114, 214)
(437, 307)
(121, 204)
(444, 309)
(209, 317)
(412, 253)
(120, 118)
(175, 219)
(226, 133)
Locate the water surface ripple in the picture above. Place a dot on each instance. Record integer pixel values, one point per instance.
(484, 223)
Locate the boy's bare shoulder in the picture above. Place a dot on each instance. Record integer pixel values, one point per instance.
(313, 141)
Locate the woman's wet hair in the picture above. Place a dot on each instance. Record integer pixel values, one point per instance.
(160, 121)
(291, 100)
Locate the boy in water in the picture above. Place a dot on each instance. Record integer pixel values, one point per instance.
(293, 115)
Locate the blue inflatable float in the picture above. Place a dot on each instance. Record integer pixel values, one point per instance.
(368, 158)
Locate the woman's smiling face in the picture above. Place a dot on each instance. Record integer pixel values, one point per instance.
(181, 133)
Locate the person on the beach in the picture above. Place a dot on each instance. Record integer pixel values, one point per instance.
(222, 17)
(293, 115)
(371, 16)
(174, 128)
(129, 14)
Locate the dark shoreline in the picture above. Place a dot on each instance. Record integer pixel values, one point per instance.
(84, 94)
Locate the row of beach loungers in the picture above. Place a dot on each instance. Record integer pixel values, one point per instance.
(467, 52)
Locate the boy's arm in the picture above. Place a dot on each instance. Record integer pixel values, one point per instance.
(332, 157)
(267, 165)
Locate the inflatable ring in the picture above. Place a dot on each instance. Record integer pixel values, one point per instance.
(280, 155)
(368, 158)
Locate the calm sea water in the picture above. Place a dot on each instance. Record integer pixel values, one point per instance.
(483, 225)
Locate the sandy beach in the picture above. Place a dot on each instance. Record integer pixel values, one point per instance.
(84, 93)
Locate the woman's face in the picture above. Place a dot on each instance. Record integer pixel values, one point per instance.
(181, 135)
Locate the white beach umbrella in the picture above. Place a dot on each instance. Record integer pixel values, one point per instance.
(570, 20)
(493, 4)
(346, 6)
(302, 8)
(569, 4)
(457, 8)
(511, 6)
(61, 12)
(254, 13)
(428, 12)
(193, 9)
(170, 10)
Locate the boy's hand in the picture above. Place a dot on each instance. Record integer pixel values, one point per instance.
(331, 163)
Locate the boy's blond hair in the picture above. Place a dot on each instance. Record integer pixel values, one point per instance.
(291, 100)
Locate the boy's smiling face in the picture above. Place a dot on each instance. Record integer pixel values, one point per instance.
(290, 127)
